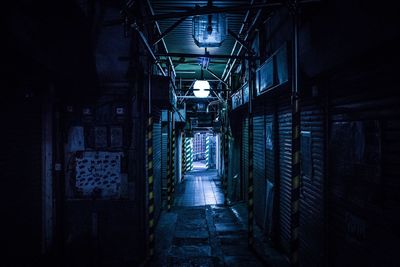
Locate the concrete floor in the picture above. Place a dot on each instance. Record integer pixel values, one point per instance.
(199, 188)
(199, 230)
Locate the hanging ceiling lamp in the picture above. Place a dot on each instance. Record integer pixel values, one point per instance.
(210, 30)
(201, 87)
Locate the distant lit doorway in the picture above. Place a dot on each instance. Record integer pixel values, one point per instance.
(204, 151)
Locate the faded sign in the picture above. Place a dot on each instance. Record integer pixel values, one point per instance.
(116, 137)
(100, 136)
(98, 174)
(76, 140)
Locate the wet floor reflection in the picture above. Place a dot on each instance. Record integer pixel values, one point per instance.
(201, 187)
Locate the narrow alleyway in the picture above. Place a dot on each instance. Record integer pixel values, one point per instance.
(199, 230)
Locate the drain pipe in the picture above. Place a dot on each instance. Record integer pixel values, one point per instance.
(295, 184)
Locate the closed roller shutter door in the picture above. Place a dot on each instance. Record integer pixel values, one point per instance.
(269, 153)
(164, 143)
(245, 156)
(285, 171)
(157, 166)
(259, 169)
(311, 194)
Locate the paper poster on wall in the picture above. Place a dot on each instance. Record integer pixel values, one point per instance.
(116, 137)
(76, 140)
(98, 174)
(268, 133)
(100, 136)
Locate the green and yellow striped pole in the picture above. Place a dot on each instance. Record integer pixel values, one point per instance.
(295, 185)
(150, 186)
(189, 154)
(207, 151)
(169, 182)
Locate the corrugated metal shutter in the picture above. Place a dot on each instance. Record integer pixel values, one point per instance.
(270, 173)
(269, 153)
(311, 194)
(157, 166)
(363, 186)
(245, 156)
(164, 143)
(259, 167)
(285, 171)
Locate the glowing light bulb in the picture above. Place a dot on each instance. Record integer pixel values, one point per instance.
(201, 88)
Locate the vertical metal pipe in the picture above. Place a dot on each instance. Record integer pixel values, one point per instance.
(295, 185)
(169, 188)
(151, 207)
(150, 177)
(183, 167)
(226, 166)
(250, 192)
(173, 157)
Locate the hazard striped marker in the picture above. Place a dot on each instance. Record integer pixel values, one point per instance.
(207, 151)
(172, 158)
(183, 163)
(150, 186)
(295, 183)
(169, 186)
(189, 154)
(226, 166)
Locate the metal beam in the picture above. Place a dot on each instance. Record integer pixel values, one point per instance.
(217, 77)
(163, 41)
(200, 55)
(240, 32)
(240, 48)
(167, 31)
(240, 41)
(206, 10)
(147, 45)
(195, 97)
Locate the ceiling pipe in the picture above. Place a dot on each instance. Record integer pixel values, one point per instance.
(195, 97)
(240, 48)
(216, 76)
(189, 55)
(147, 45)
(240, 32)
(208, 10)
(212, 103)
(162, 39)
